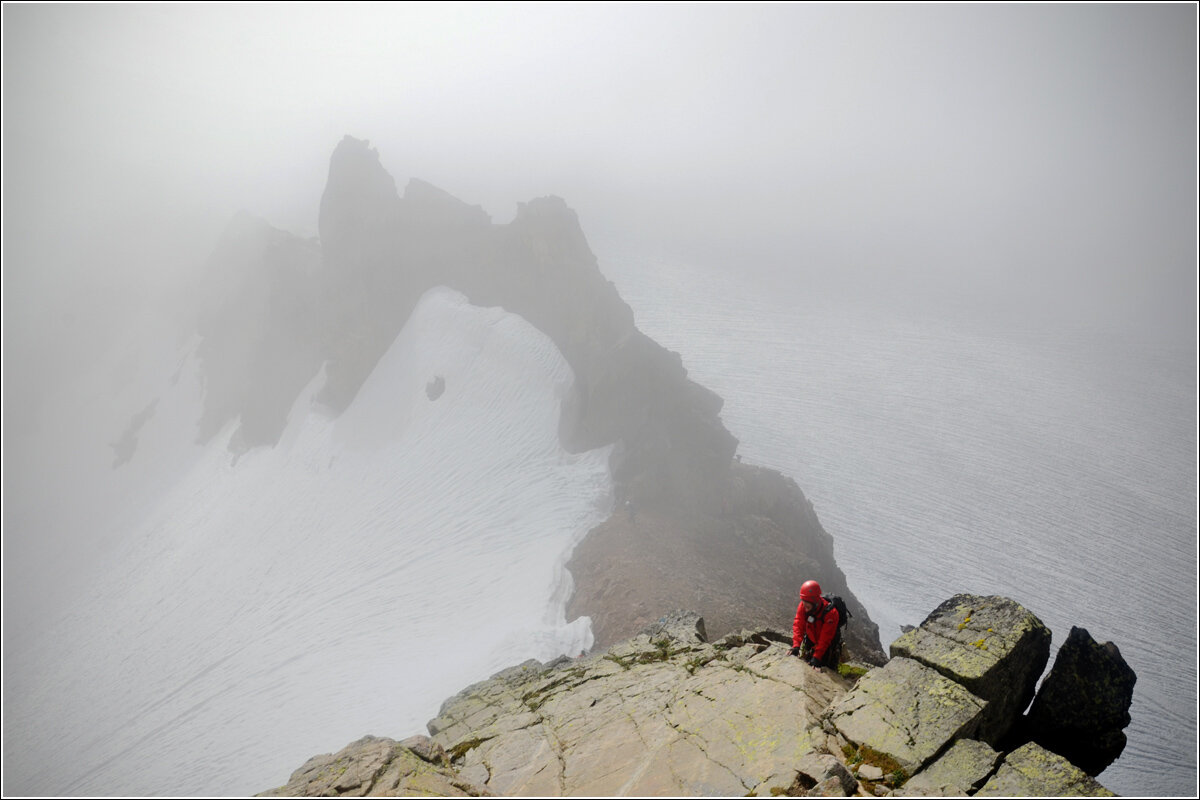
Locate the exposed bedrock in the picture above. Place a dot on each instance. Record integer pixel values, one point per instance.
(670, 711)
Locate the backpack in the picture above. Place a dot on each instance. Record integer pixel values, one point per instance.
(834, 655)
(837, 602)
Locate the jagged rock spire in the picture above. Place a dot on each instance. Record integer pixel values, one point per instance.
(358, 193)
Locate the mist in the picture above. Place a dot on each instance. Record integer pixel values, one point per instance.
(1044, 154)
(1029, 165)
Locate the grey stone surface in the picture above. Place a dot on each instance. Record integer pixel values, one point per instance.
(906, 711)
(657, 714)
(962, 769)
(379, 767)
(870, 772)
(993, 646)
(1032, 770)
(667, 713)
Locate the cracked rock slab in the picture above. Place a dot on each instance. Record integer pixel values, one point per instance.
(664, 713)
(667, 713)
(992, 645)
(906, 711)
(1032, 770)
(961, 770)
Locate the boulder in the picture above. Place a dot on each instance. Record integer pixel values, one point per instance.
(907, 712)
(1083, 705)
(1031, 771)
(991, 645)
(684, 627)
(960, 771)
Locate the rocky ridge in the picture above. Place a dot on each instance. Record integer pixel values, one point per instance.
(274, 310)
(668, 712)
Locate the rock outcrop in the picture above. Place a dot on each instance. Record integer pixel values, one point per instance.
(1082, 708)
(383, 251)
(668, 712)
(737, 568)
(990, 645)
(261, 319)
(664, 713)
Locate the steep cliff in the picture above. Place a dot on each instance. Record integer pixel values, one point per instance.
(668, 712)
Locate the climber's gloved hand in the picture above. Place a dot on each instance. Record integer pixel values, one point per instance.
(795, 651)
(812, 660)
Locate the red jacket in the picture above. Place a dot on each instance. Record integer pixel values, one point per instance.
(819, 627)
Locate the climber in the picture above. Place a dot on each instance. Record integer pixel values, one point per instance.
(816, 634)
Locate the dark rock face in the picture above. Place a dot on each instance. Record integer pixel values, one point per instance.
(992, 646)
(261, 322)
(1083, 705)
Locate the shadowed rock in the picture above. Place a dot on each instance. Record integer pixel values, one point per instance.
(991, 645)
(1083, 705)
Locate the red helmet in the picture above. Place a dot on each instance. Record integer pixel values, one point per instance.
(810, 591)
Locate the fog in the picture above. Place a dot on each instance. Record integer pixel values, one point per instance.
(1045, 151)
(1036, 162)
(1032, 164)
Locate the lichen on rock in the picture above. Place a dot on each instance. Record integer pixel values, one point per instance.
(993, 646)
(667, 712)
(1032, 770)
(908, 712)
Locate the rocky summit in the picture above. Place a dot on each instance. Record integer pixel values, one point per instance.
(668, 712)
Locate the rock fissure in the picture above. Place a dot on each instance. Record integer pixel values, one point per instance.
(556, 747)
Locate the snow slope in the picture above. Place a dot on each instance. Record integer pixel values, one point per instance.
(346, 582)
